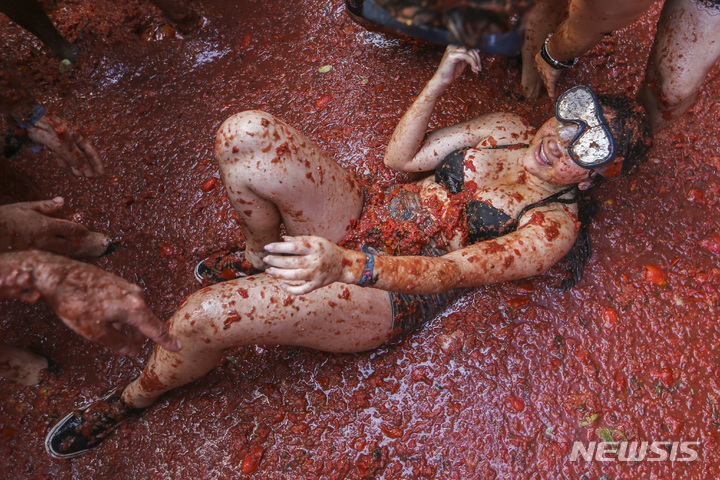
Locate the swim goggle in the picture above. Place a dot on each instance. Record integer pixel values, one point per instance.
(590, 143)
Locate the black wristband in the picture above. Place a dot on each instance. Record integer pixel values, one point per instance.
(367, 273)
(556, 64)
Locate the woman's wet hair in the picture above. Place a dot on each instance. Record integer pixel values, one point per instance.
(630, 129)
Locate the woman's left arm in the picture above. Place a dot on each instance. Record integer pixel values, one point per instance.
(413, 149)
(410, 133)
(313, 262)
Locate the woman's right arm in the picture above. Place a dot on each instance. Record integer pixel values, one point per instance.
(408, 137)
(308, 262)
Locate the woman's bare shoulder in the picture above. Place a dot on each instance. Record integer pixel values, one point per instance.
(506, 129)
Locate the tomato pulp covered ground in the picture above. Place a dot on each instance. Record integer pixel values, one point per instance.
(499, 387)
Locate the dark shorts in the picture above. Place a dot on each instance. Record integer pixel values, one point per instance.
(412, 311)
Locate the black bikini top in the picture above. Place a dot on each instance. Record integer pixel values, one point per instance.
(483, 221)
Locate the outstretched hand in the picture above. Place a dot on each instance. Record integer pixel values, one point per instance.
(454, 62)
(97, 305)
(27, 225)
(72, 149)
(307, 262)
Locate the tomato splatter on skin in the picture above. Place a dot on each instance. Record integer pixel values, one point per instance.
(150, 382)
(492, 247)
(230, 319)
(508, 261)
(551, 228)
(490, 141)
(281, 149)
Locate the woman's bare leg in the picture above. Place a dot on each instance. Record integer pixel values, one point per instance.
(274, 174)
(255, 310)
(687, 45)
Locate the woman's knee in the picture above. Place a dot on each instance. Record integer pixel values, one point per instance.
(191, 320)
(244, 134)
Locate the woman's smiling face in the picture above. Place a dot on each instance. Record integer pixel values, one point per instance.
(547, 157)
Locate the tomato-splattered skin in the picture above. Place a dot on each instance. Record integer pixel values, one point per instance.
(275, 176)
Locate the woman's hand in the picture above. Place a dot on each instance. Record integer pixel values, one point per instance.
(72, 149)
(306, 261)
(454, 62)
(27, 225)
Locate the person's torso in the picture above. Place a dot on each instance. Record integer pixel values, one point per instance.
(485, 186)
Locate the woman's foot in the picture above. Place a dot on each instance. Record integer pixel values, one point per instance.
(224, 266)
(86, 428)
